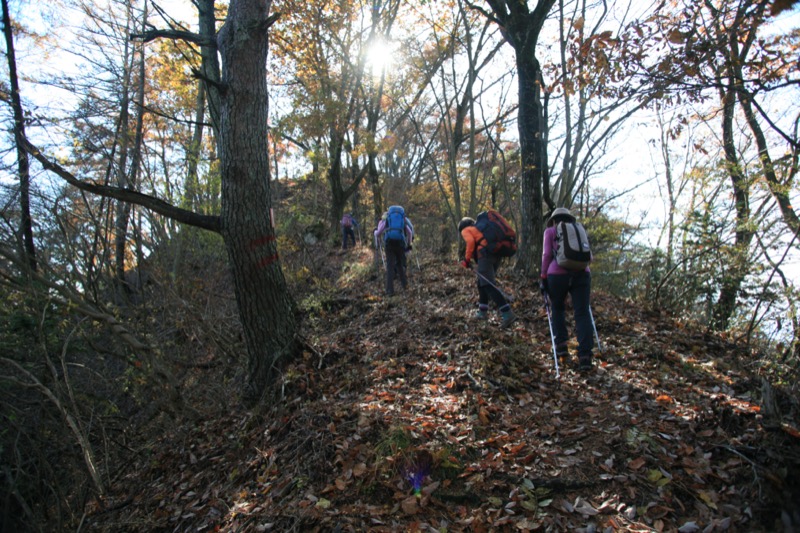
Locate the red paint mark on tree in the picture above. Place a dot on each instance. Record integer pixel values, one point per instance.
(261, 241)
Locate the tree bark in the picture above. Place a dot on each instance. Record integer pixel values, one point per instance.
(265, 306)
(533, 151)
(123, 209)
(737, 267)
(23, 164)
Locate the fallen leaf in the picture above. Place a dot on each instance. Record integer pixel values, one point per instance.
(323, 503)
(528, 525)
(428, 489)
(584, 507)
(790, 430)
(636, 464)
(410, 505)
(359, 470)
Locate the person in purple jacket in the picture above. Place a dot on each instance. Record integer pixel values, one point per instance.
(395, 246)
(557, 282)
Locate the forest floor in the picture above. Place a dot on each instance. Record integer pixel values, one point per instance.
(665, 434)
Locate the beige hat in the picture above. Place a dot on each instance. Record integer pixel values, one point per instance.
(560, 211)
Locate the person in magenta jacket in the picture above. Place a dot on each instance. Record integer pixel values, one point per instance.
(557, 282)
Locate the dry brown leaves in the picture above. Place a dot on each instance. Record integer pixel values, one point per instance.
(664, 435)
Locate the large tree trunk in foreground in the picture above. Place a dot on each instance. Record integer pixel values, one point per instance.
(265, 306)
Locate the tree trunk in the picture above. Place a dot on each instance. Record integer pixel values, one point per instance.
(737, 266)
(521, 28)
(533, 151)
(23, 164)
(375, 186)
(123, 209)
(265, 307)
(730, 80)
(191, 195)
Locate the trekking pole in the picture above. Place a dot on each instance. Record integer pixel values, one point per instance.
(379, 251)
(596, 336)
(506, 296)
(550, 325)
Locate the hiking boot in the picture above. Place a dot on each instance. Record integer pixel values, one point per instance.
(585, 362)
(508, 318)
(562, 352)
(483, 312)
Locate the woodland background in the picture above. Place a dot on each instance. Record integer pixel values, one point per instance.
(172, 181)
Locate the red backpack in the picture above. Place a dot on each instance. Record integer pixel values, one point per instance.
(500, 237)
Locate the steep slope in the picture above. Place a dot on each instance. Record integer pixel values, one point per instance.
(665, 435)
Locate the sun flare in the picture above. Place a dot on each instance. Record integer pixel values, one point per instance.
(380, 56)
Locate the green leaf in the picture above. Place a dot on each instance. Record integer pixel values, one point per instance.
(322, 503)
(654, 475)
(530, 505)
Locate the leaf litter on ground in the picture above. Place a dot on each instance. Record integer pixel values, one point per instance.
(407, 415)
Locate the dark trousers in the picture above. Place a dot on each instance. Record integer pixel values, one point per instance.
(395, 264)
(487, 268)
(348, 233)
(579, 286)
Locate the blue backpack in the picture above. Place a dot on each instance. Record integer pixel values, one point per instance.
(395, 224)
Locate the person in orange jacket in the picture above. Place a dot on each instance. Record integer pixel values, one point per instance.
(487, 268)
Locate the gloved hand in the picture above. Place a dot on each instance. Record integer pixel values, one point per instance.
(409, 248)
(466, 264)
(543, 285)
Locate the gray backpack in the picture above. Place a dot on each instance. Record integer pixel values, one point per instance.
(572, 246)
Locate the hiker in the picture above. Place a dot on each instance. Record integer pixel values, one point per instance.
(348, 224)
(558, 281)
(487, 264)
(398, 236)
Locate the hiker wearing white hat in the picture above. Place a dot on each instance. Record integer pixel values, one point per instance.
(565, 270)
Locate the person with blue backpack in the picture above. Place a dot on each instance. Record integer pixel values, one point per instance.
(565, 270)
(348, 224)
(397, 234)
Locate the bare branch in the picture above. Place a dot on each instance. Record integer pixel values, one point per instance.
(182, 35)
(211, 223)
